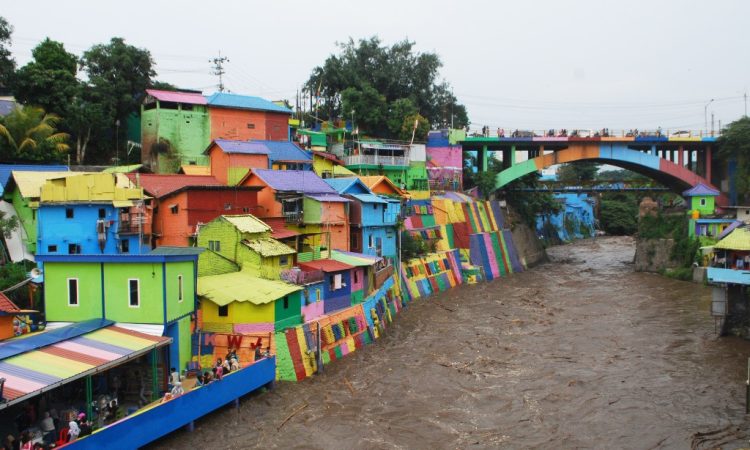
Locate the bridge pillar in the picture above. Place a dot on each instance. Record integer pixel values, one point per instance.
(680, 151)
(653, 150)
(483, 159)
(708, 163)
(512, 155)
(690, 160)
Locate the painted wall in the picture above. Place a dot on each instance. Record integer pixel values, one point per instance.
(335, 217)
(387, 236)
(56, 306)
(312, 301)
(187, 129)
(288, 315)
(336, 299)
(230, 168)
(238, 312)
(243, 124)
(26, 215)
(705, 204)
(574, 221)
(269, 207)
(176, 307)
(151, 309)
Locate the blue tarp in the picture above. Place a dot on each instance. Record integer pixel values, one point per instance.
(22, 345)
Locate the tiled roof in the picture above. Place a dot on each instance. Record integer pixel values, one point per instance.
(269, 247)
(7, 306)
(326, 265)
(180, 251)
(247, 223)
(190, 169)
(700, 189)
(226, 100)
(304, 181)
(178, 97)
(243, 147)
(242, 287)
(6, 169)
(162, 185)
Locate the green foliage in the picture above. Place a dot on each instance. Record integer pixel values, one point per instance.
(577, 172)
(486, 182)
(383, 86)
(530, 204)
(7, 225)
(734, 143)
(680, 273)
(30, 134)
(414, 247)
(49, 81)
(618, 217)
(571, 225)
(12, 274)
(7, 64)
(407, 128)
(621, 175)
(685, 249)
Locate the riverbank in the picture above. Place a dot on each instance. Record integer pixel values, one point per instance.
(578, 352)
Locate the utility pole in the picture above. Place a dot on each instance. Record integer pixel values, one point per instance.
(705, 115)
(745, 104)
(219, 69)
(712, 124)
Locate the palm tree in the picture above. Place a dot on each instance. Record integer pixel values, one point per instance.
(30, 133)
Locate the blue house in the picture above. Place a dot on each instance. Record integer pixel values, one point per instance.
(286, 155)
(92, 214)
(574, 221)
(337, 282)
(372, 218)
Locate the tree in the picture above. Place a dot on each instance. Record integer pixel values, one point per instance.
(382, 86)
(734, 143)
(49, 81)
(530, 204)
(31, 134)
(618, 217)
(415, 125)
(89, 122)
(577, 172)
(7, 64)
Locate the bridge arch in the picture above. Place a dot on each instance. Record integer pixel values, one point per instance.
(674, 176)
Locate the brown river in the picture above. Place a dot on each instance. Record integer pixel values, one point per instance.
(580, 352)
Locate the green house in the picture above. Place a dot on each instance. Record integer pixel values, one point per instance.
(154, 292)
(702, 198)
(245, 241)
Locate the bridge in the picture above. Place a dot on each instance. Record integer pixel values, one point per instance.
(676, 162)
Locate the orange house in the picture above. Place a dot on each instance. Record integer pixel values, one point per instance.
(243, 117)
(232, 160)
(184, 202)
(383, 185)
(8, 312)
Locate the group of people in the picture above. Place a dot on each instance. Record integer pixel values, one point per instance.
(53, 430)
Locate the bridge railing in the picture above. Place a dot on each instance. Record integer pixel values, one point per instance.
(675, 133)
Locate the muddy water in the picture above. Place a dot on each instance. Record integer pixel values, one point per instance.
(578, 353)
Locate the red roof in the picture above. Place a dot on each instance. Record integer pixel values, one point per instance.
(177, 97)
(328, 156)
(326, 265)
(162, 185)
(7, 306)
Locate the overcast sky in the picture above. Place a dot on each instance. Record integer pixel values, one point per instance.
(520, 64)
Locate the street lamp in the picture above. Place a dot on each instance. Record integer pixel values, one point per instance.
(117, 142)
(705, 115)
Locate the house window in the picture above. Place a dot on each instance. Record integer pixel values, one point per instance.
(214, 246)
(134, 292)
(286, 302)
(330, 281)
(174, 209)
(245, 210)
(227, 206)
(51, 249)
(69, 213)
(179, 288)
(125, 246)
(223, 311)
(74, 249)
(356, 276)
(317, 295)
(102, 213)
(283, 260)
(251, 126)
(72, 291)
(703, 202)
(354, 242)
(369, 241)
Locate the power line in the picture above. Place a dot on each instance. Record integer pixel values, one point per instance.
(218, 68)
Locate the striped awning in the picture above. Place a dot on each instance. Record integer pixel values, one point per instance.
(30, 373)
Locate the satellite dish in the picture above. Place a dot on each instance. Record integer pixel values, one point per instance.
(35, 273)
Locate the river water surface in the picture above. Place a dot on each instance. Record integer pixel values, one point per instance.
(578, 353)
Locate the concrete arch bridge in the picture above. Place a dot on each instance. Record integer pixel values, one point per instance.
(678, 163)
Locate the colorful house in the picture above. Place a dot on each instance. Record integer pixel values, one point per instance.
(232, 160)
(7, 169)
(247, 242)
(444, 161)
(327, 165)
(8, 313)
(287, 156)
(152, 293)
(239, 302)
(23, 191)
(92, 214)
(243, 117)
(372, 218)
(175, 129)
(365, 268)
(307, 205)
(182, 203)
(337, 282)
(702, 198)
(382, 185)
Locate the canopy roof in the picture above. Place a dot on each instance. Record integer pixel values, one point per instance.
(355, 259)
(739, 239)
(242, 287)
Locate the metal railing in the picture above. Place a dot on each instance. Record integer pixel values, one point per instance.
(376, 160)
(293, 217)
(299, 277)
(674, 133)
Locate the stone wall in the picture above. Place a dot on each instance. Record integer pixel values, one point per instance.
(654, 255)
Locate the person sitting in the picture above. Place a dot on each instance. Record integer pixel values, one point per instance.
(47, 425)
(73, 430)
(234, 364)
(219, 369)
(177, 389)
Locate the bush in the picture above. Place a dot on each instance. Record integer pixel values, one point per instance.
(680, 273)
(618, 217)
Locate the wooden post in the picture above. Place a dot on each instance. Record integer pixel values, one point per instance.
(154, 376)
(680, 156)
(89, 398)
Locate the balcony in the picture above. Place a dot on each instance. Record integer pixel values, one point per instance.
(376, 160)
(293, 217)
(134, 223)
(719, 275)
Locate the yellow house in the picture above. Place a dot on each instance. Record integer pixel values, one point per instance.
(327, 165)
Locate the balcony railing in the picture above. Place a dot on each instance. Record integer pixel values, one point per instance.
(293, 217)
(134, 224)
(382, 275)
(376, 160)
(299, 277)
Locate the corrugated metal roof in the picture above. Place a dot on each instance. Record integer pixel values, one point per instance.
(226, 100)
(7, 107)
(700, 189)
(328, 198)
(730, 228)
(342, 171)
(354, 258)
(195, 170)
(91, 187)
(739, 239)
(375, 180)
(368, 198)
(30, 373)
(161, 185)
(285, 151)
(269, 247)
(247, 223)
(6, 169)
(326, 265)
(243, 147)
(348, 185)
(30, 183)
(304, 181)
(242, 287)
(178, 97)
(181, 251)
(123, 169)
